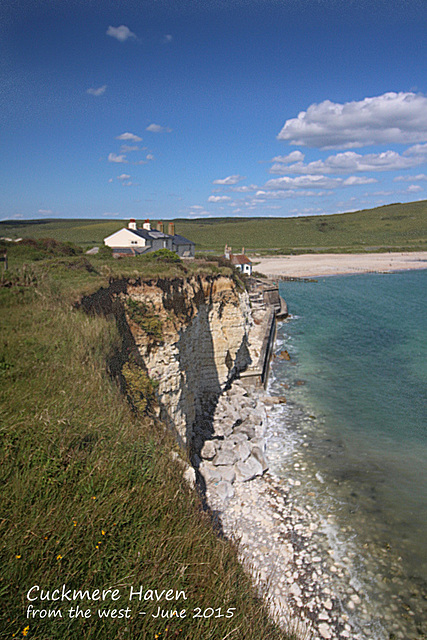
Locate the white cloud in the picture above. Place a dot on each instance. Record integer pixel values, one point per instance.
(97, 92)
(45, 212)
(317, 182)
(320, 182)
(417, 150)
(283, 194)
(294, 156)
(116, 215)
(123, 176)
(113, 157)
(218, 198)
(157, 128)
(128, 148)
(121, 33)
(350, 162)
(356, 180)
(229, 180)
(167, 38)
(244, 189)
(149, 156)
(129, 137)
(413, 188)
(389, 118)
(420, 176)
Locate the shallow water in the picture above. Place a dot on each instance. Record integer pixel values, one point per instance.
(355, 427)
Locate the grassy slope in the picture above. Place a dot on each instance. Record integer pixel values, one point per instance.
(397, 226)
(90, 495)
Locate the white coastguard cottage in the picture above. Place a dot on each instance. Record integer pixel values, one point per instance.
(132, 241)
(241, 261)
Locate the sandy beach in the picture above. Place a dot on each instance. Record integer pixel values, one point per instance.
(328, 264)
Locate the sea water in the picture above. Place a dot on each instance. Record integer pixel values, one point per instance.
(356, 423)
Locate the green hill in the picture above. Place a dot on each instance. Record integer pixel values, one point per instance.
(391, 227)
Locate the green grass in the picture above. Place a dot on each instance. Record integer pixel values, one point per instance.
(391, 227)
(91, 497)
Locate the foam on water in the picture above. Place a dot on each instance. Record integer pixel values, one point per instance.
(359, 478)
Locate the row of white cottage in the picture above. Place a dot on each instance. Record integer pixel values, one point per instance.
(134, 241)
(131, 241)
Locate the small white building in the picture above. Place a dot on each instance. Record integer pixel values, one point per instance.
(241, 261)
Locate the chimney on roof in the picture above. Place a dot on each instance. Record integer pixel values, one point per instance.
(132, 224)
(243, 251)
(146, 225)
(171, 228)
(160, 226)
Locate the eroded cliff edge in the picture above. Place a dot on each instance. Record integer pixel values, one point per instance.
(192, 337)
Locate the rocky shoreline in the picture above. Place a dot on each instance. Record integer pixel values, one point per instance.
(302, 560)
(273, 533)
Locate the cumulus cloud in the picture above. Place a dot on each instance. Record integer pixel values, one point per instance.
(113, 157)
(316, 182)
(229, 180)
(389, 118)
(97, 92)
(420, 176)
(350, 162)
(294, 156)
(167, 38)
(282, 194)
(128, 137)
(356, 180)
(115, 214)
(121, 33)
(123, 176)
(244, 188)
(413, 188)
(419, 150)
(157, 128)
(218, 198)
(45, 212)
(128, 148)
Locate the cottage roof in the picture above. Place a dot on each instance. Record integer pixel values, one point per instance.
(177, 239)
(153, 234)
(239, 259)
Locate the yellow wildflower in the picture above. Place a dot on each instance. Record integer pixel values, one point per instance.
(103, 532)
(59, 557)
(17, 557)
(25, 631)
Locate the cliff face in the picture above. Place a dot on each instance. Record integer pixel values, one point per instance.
(195, 345)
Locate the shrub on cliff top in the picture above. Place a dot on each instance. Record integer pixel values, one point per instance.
(162, 255)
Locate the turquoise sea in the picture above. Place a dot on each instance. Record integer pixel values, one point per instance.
(356, 389)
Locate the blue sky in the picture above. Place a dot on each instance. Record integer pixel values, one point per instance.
(198, 108)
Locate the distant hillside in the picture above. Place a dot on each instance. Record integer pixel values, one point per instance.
(391, 227)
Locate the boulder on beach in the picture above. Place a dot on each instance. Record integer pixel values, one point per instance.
(248, 470)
